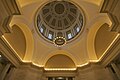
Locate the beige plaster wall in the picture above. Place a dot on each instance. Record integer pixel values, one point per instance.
(90, 72)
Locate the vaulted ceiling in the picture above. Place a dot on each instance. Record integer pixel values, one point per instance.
(90, 46)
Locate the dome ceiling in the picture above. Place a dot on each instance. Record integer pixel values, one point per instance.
(46, 21)
(59, 19)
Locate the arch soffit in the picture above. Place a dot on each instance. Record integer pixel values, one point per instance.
(95, 26)
(16, 20)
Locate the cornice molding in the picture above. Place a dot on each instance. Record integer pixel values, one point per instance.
(109, 7)
(112, 53)
(7, 51)
(115, 27)
(9, 8)
(31, 67)
(60, 73)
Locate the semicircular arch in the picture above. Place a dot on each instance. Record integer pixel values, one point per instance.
(95, 25)
(48, 56)
(16, 20)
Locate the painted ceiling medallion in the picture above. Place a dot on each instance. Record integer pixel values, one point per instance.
(58, 19)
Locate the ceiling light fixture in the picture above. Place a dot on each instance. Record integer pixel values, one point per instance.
(59, 41)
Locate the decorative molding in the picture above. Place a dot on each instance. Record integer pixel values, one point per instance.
(60, 73)
(9, 8)
(30, 64)
(112, 53)
(32, 67)
(7, 51)
(115, 23)
(108, 7)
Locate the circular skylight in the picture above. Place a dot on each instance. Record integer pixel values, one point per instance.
(59, 19)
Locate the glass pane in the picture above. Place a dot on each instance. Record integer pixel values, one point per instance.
(50, 36)
(78, 29)
(69, 36)
(41, 30)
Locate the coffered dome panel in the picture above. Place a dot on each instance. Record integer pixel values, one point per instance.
(59, 15)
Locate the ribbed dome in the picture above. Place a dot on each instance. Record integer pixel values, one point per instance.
(59, 19)
(59, 15)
